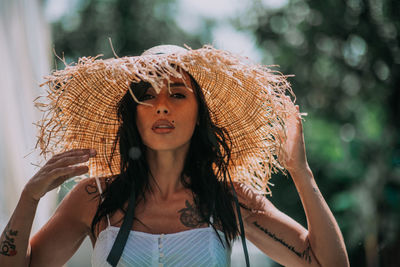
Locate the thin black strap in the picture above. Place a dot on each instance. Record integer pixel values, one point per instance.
(242, 235)
(123, 233)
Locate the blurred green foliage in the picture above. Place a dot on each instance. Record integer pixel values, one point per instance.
(346, 56)
(346, 59)
(132, 25)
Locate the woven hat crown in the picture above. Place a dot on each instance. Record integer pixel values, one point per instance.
(163, 49)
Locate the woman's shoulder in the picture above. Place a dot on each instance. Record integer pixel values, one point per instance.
(88, 189)
(92, 187)
(85, 197)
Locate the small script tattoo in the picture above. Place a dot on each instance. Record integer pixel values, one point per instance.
(190, 216)
(7, 242)
(316, 191)
(91, 189)
(303, 255)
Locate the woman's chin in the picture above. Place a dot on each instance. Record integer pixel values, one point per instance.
(167, 146)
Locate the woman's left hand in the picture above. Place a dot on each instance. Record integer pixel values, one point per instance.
(293, 153)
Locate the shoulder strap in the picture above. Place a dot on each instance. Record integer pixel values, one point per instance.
(123, 233)
(242, 235)
(101, 196)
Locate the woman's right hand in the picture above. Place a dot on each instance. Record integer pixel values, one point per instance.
(58, 169)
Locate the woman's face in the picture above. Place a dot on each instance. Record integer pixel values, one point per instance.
(169, 123)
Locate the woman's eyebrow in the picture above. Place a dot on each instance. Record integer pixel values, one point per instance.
(177, 84)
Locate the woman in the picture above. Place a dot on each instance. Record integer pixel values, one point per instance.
(186, 120)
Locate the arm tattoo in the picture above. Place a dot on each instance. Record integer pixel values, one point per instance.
(190, 216)
(91, 189)
(303, 255)
(7, 242)
(316, 191)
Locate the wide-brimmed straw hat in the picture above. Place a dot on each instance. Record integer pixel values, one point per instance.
(247, 99)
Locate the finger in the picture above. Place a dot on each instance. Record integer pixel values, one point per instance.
(73, 152)
(79, 156)
(66, 154)
(68, 161)
(79, 170)
(287, 97)
(78, 152)
(63, 162)
(67, 172)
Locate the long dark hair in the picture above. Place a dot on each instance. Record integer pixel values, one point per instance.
(206, 165)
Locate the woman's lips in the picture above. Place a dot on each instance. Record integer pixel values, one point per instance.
(163, 126)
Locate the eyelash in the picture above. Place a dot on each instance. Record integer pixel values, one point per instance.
(180, 95)
(149, 96)
(145, 97)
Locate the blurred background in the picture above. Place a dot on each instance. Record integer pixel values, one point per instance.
(345, 56)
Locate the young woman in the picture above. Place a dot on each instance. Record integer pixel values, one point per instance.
(162, 149)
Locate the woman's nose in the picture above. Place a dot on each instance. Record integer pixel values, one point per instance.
(162, 110)
(162, 105)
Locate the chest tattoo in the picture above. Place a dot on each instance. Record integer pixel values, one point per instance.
(190, 216)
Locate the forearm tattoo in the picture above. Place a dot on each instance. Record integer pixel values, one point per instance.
(315, 190)
(303, 255)
(190, 216)
(7, 242)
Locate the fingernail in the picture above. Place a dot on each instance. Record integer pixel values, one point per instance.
(92, 152)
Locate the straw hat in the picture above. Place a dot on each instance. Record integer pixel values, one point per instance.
(247, 99)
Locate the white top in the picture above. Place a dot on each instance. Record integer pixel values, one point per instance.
(196, 247)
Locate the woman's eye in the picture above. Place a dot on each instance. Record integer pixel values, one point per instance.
(146, 97)
(177, 95)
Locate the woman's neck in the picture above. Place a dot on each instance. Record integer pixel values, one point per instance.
(166, 168)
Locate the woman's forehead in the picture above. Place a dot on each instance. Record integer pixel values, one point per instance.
(185, 78)
(175, 82)
(170, 82)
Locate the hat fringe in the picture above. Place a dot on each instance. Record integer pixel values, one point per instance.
(245, 98)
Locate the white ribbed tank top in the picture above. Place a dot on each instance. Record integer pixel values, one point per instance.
(195, 247)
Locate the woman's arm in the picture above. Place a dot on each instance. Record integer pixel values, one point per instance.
(286, 241)
(14, 239)
(15, 247)
(279, 236)
(58, 240)
(273, 232)
(324, 233)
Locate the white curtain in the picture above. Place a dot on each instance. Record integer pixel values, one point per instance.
(24, 60)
